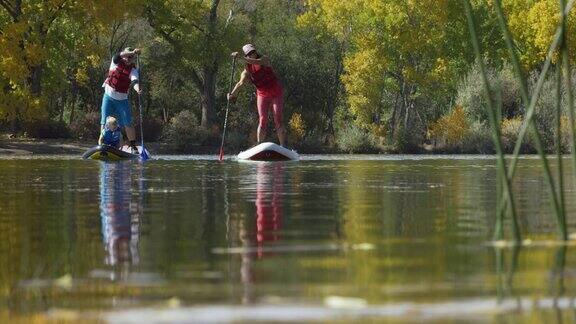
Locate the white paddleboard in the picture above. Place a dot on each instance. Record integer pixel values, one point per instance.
(268, 152)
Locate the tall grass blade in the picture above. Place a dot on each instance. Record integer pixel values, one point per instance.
(529, 120)
(500, 215)
(567, 72)
(492, 117)
(536, 93)
(558, 75)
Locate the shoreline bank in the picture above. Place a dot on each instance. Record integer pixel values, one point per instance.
(19, 146)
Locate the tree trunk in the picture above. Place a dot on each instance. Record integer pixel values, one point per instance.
(336, 86)
(74, 90)
(392, 123)
(35, 79)
(208, 91)
(208, 95)
(62, 101)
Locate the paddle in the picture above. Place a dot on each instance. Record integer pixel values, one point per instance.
(143, 153)
(227, 105)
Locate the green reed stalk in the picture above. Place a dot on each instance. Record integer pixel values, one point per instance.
(559, 270)
(499, 255)
(559, 141)
(566, 69)
(499, 228)
(513, 267)
(536, 94)
(530, 121)
(493, 120)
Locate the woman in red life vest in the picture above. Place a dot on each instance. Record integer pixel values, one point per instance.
(269, 91)
(121, 75)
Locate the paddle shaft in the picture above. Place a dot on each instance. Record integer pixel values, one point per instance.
(221, 157)
(143, 154)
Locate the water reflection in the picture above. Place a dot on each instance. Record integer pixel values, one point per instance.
(269, 205)
(507, 263)
(120, 216)
(557, 284)
(226, 233)
(269, 213)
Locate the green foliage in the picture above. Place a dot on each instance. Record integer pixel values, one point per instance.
(302, 55)
(184, 133)
(153, 128)
(478, 140)
(200, 41)
(533, 24)
(42, 45)
(296, 128)
(398, 56)
(86, 127)
(509, 132)
(546, 110)
(407, 140)
(455, 134)
(46, 128)
(450, 129)
(353, 139)
(171, 91)
(236, 141)
(313, 143)
(470, 93)
(392, 65)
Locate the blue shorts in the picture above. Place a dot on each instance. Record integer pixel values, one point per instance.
(117, 108)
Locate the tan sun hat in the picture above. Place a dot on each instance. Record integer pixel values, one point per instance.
(128, 51)
(248, 48)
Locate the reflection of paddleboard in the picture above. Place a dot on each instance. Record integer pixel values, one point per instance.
(108, 153)
(268, 152)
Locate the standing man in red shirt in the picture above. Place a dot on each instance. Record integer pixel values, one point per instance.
(122, 74)
(269, 91)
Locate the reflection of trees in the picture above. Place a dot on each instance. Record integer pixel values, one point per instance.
(505, 272)
(552, 291)
(45, 229)
(557, 281)
(120, 215)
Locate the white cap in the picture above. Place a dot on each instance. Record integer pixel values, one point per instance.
(248, 48)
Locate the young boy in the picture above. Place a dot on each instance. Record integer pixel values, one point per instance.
(111, 134)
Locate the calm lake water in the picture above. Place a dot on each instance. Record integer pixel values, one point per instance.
(329, 238)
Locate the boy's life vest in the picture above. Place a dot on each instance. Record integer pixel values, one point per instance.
(110, 137)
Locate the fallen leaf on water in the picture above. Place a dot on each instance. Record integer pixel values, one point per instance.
(64, 282)
(344, 302)
(66, 315)
(173, 302)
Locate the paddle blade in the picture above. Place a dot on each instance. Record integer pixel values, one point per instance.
(221, 154)
(144, 155)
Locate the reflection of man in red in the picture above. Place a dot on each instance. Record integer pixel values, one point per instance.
(119, 220)
(269, 189)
